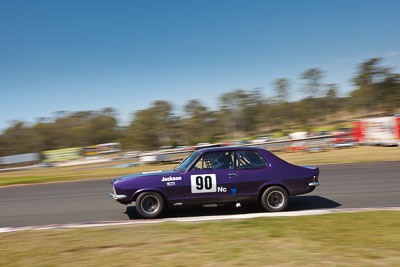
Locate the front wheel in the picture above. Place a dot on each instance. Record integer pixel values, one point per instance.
(274, 198)
(149, 205)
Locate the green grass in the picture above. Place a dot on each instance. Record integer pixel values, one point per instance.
(346, 239)
(348, 155)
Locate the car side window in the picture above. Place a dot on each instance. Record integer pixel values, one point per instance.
(217, 160)
(249, 159)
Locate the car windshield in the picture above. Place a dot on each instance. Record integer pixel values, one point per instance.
(188, 161)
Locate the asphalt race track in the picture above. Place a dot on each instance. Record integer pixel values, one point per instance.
(355, 185)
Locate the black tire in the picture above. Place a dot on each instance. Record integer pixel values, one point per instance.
(150, 205)
(274, 198)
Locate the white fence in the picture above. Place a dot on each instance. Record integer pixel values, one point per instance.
(19, 158)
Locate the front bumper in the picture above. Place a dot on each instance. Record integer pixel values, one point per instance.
(118, 197)
(314, 183)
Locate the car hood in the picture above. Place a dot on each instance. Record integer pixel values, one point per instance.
(145, 174)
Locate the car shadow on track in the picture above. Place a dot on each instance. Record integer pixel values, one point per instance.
(295, 204)
(311, 203)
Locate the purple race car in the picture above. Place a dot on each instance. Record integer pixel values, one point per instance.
(217, 176)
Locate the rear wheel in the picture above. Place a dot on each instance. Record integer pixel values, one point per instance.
(274, 198)
(150, 205)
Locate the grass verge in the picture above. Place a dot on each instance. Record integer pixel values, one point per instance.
(348, 155)
(346, 239)
(343, 155)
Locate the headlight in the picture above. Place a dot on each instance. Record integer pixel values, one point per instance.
(113, 189)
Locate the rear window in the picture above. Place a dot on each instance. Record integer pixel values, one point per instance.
(249, 159)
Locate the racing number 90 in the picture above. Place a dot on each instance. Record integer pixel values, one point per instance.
(203, 182)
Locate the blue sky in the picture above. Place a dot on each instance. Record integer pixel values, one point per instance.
(85, 55)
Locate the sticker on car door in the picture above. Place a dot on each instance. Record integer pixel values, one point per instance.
(203, 183)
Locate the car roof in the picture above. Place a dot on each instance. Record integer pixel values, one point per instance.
(225, 148)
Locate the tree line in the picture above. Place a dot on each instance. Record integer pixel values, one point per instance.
(240, 113)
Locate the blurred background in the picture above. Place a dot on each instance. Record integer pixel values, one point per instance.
(96, 89)
(130, 77)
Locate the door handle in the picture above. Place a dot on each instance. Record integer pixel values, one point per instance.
(232, 174)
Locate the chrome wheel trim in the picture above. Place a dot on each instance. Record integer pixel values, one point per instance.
(150, 204)
(275, 199)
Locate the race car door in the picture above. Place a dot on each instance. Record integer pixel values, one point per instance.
(252, 173)
(212, 179)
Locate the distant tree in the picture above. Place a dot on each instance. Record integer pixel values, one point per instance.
(3, 146)
(162, 112)
(389, 91)
(281, 87)
(331, 92)
(304, 112)
(101, 129)
(46, 136)
(377, 87)
(199, 123)
(312, 78)
(331, 99)
(18, 139)
(108, 111)
(141, 133)
(152, 127)
(239, 111)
